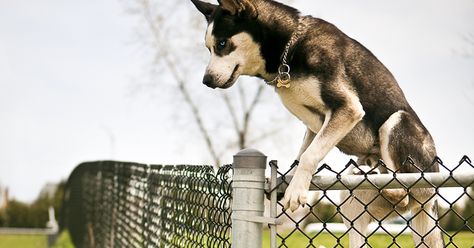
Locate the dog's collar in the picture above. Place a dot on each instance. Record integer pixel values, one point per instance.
(283, 79)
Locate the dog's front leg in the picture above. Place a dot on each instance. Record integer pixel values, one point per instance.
(308, 138)
(337, 124)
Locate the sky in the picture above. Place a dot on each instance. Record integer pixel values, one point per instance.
(69, 70)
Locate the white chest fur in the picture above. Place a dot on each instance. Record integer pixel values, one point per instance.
(303, 99)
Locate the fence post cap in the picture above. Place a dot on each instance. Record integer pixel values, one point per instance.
(250, 158)
(249, 152)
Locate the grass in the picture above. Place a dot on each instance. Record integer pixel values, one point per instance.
(297, 240)
(63, 241)
(23, 241)
(34, 241)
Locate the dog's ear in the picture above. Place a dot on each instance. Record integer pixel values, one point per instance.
(205, 8)
(230, 6)
(243, 8)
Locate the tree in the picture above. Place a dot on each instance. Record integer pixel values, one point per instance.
(170, 30)
(451, 218)
(468, 213)
(34, 215)
(18, 214)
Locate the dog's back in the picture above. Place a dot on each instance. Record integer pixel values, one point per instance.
(340, 62)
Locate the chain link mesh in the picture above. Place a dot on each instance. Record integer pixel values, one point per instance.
(319, 223)
(114, 204)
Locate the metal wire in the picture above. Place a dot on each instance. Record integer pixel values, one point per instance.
(455, 221)
(114, 204)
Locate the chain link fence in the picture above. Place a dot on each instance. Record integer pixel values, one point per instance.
(381, 208)
(114, 204)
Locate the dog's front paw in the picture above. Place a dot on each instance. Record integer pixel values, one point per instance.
(397, 197)
(297, 191)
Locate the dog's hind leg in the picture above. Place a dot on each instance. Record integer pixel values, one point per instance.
(423, 223)
(355, 217)
(395, 196)
(359, 209)
(403, 136)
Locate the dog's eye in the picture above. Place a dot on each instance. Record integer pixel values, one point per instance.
(221, 44)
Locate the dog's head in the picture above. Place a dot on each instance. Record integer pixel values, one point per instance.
(230, 38)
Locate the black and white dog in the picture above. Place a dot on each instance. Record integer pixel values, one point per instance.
(342, 93)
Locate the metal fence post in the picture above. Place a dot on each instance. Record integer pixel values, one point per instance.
(248, 183)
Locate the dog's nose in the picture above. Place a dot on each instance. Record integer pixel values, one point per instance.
(208, 80)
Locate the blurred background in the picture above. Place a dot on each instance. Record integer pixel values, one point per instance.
(121, 80)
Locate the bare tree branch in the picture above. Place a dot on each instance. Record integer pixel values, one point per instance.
(179, 80)
(466, 52)
(232, 112)
(243, 100)
(265, 135)
(243, 130)
(247, 116)
(469, 38)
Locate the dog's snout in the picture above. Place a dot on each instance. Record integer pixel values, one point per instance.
(208, 80)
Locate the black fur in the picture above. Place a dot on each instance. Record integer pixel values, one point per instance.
(206, 9)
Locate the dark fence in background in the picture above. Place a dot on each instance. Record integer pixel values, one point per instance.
(114, 204)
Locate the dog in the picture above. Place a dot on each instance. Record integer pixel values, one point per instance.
(343, 94)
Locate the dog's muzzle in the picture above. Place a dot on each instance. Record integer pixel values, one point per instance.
(209, 81)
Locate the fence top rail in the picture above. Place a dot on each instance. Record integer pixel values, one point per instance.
(384, 181)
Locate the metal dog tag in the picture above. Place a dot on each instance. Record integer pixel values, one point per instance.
(283, 83)
(284, 77)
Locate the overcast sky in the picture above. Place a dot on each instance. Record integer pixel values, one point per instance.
(67, 70)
